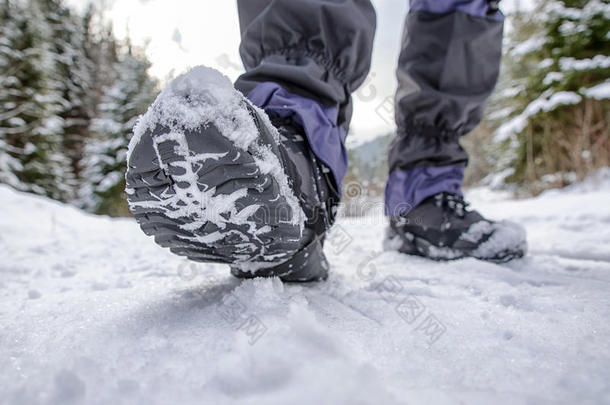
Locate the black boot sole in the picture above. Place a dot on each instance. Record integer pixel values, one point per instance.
(172, 176)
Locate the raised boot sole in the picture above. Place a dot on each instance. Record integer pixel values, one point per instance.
(203, 196)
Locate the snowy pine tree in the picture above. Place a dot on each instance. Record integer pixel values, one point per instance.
(72, 80)
(123, 101)
(68, 100)
(30, 127)
(9, 165)
(558, 66)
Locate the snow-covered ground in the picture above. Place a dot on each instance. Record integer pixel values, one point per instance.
(92, 311)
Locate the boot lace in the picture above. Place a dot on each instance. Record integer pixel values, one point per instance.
(452, 203)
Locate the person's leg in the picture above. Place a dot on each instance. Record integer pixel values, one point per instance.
(216, 179)
(303, 59)
(448, 67)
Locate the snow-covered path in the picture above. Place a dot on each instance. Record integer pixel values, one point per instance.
(92, 311)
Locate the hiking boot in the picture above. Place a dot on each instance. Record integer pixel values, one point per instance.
(212, 179)
(443, 228)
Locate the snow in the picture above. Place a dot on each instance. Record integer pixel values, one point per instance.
(596, 62)
(528, 46)
(510, 91)
(552, 77)
(500, 114)
(555, 100)
(201, 96)
(497, 180)
(590, 9)
(547, 101)
(8, 165)
(545, 63)
(507, 234)
(92, 311)
(598, 92)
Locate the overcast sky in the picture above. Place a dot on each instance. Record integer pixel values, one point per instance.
(184, 33)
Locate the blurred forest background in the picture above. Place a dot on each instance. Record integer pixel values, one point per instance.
(70, 93)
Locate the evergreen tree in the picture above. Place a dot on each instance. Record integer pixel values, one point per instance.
(9, 165)
(69, 97)
(123, 101)
(71, 79)
(30, 128)
(558, 67)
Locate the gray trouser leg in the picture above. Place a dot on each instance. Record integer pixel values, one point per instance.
(448, 67)
(319, 49)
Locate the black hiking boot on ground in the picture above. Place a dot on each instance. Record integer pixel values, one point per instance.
(442, 228)
(211, 179)
(312, 184)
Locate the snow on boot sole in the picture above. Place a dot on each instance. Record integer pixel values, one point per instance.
(204, 176)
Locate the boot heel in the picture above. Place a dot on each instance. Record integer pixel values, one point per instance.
(308, 264)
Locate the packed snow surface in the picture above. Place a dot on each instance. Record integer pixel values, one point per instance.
(93, 311)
